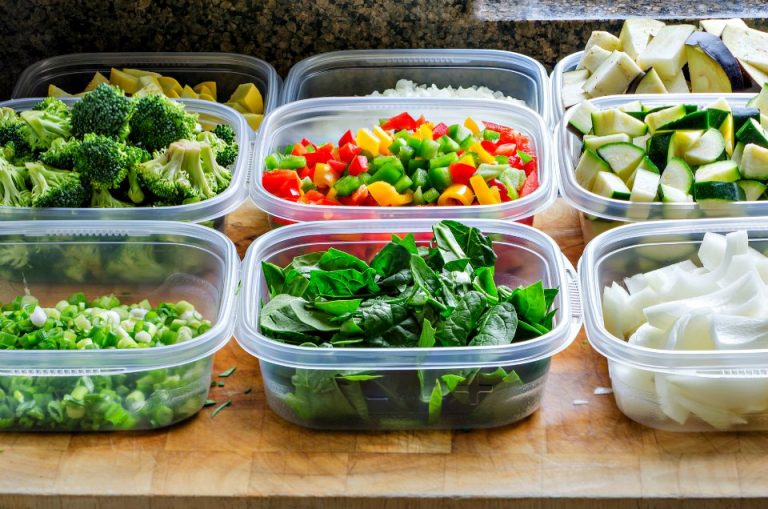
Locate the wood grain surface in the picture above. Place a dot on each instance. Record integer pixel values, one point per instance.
(564, 456)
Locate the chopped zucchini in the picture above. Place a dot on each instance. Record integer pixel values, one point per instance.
(710, 147)
(754, 162)
(726, 129)
(664, 117)
(678, 174)
(753, 190)
(706, 192)
(611, 186)
(595, 142)
(634, 106)
(623, 158)
(658, 148)
(645, 187)
(741, 115)
(581, 119)
(671, 194)
(642, 141)
(752, 132)
(720, 171)
(681, 141)
(589, 166)
(615, 121)
(738, 151)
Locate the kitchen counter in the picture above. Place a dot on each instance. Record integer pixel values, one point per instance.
(564, 456)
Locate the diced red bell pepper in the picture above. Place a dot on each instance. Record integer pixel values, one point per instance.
(357, 198)
(358, 165)
(317, 198)
(530, 167)
(347, 137)
(306, 172)
(321, 155)
(502, 189)
(282, 183)
(489, 146)
(348, 151)
(439, 131)
(306, 142)
(531, 184)
(461, 173)
(506, 149)
(399, 122)
(338, 167)
(419, 121)
(298, 150)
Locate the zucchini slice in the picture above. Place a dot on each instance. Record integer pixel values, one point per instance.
(752, 132)
(710, 147)
(671, 194)
(595, 142)
(754, 162)
(645, 187)
(611, 186)
(658, 148)
(720, 171)
(681, 141)
(738, 151)
(678, 175)
(615, 121)
(623, 158)
(741, 115)
(581, 120)
(589, 166)
(718, 192)
(753, 190)
(664, 117)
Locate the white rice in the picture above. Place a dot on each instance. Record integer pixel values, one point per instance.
(407, 88)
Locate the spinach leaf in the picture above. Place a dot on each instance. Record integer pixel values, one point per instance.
(456, 329)
(391, 260)
(530, 302)
(399, 280)
(476, 246)
(333, 259)
(341, 283)
(435, 403)
(483, 281)
(286, 314)
(448, 247)
(402, 334)
(427, 336)
(317, 396)
(295, 283)
(527, 330)
(408, 243)
(305, 264)
(497, 326)
(338, 307)
(274, 277)
(452, 381)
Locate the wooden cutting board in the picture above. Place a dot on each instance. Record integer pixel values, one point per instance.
(564, 456)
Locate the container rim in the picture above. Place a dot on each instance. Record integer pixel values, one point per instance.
(289, 113)
(129, 360)
(626, 211)
(250, 338)
(426, 57)
(205, 210)
(181, 58)
(715, 363)
(566, 64)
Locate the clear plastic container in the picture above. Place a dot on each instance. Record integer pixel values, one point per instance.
(600, 213)
(212, 211)
(135, 260)
(326, 120)
(360, 72)
(737, 378)
(73, 72)
(393, 401)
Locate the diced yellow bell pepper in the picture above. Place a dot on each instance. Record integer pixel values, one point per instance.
(482, 191)
(97, 80)
(471, 125)
(129, 83)
(152, 88)
(367, 141)
(169, 84)
(483, 154)
(145, 81)
(496, 194)
(386, 195)
(188, 93)
(254, 119)
(172, 93)
(237, 107)
(249, 96)
(331, 194)
(139, 73)
(456, 194)
(385, 140)
(324, 176)
(425, 132)
(54, 91)
(468, 159)
(210, 85)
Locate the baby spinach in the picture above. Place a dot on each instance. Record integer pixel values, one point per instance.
(437, 294)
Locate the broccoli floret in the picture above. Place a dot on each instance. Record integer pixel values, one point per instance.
(81, 260)
(225, 132)
(105, 110)
(135, 193)
(136, 261)
(165, 175)
(226, 152)
(14, 136)
(221, 176)
(102, 199)
(55, 188)
(14, 256)
(49, 120)
(13, 186)
(61, 154)
(203, 182)
(159, 121)
(103, 161)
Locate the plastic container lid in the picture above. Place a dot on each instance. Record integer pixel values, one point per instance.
(326, 120)
(621, 210)
(77, 69)
(297, 239)
(663, 239)
(216, 287)
(206, 210)
(360, 72)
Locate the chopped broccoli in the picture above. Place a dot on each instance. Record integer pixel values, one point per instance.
(49, 120)
(138, 260)
(103, 161)
(225, 132)
(165, 175)
(55, 188)
(102, 199)
(135, 193)
(15, 256)
(158, 121)
(105, 110)
(13, 186)
(203, 183)
(226, 152)
(14, 136)
(61, 154)
(81, 261)
(221, 176)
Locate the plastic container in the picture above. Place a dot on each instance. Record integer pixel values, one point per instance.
(213, 211)
(725, 375)
(73, 72)
(393, 401)
(169, 262)
(361, 72)
(325, 120)
(600, 213)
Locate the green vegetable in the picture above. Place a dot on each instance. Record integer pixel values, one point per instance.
(440, 295)
(220, 408)
(158, 121)
(54, 188)
(228, 372)
(105, 111)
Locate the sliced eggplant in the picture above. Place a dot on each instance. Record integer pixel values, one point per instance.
(579, 76)
(751, 48)
(592, 58)
(676, 85)
(716, 26)
(754, 74)
(648, 82)
(712, 66)
(572, 92)
(666, 51)
(636, 33)
(605, 40)
(613, 76)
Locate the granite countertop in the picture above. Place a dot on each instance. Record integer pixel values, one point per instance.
(283, 32)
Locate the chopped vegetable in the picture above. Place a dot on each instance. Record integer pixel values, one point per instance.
(220, 408)
(227, 372)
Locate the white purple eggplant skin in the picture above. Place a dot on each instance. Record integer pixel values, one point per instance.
(713, 46)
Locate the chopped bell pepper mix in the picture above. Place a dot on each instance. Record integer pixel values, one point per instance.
(407, 161)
